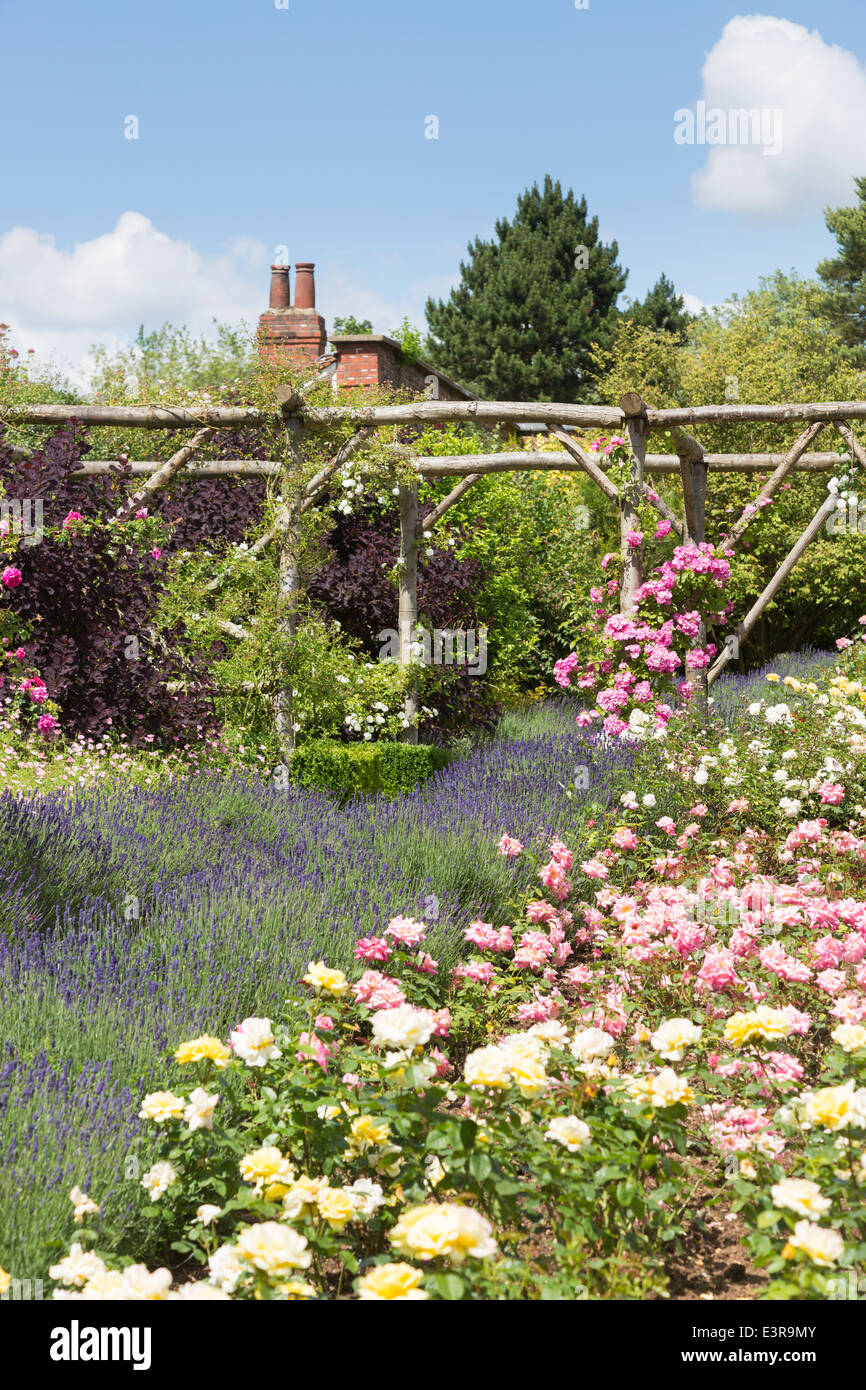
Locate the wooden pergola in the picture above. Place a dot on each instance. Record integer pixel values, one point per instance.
(633, 418)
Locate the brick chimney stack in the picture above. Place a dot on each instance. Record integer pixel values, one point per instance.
(292, 335)
(280, 298)
(305, 285)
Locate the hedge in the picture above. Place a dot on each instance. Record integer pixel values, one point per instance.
(356, 769)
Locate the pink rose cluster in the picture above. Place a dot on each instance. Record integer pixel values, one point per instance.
(647, 648)
(542, 952)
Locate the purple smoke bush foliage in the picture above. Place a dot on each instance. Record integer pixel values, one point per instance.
(84, 594)
(353, 588)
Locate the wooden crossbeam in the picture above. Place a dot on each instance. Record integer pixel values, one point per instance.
(457, 465)
(531, 413)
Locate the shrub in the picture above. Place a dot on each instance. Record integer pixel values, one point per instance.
(353, 769)
(85, 606)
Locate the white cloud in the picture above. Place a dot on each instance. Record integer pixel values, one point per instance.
(61, 302)
(692, 304)
(772, 64)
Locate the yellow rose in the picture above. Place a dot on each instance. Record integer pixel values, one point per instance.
(5, 1280)
(851, 1037)
(487, 1066)
(323, 978)
(669, 1089)
(367, 1132)
(302, 1197)
(395, 1282)
(203, 1049)
(822, 1244)
(337, 1207)
(449, 1231)
(832, 1106)
(266, 1168)
(763, 1022)
(296, 1288)
(274, 1248)
(161, 1106)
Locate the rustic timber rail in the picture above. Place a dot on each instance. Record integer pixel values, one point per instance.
(633, 418)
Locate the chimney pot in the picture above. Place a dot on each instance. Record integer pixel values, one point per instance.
(305, 285)
(280, 298)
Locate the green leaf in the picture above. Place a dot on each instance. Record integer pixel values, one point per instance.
(480, 1166)
(767, 1218)
(448, 1286)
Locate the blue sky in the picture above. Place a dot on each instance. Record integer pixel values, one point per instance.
(305, 127)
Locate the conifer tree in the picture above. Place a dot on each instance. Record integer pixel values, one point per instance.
(844, 276)
(531, 303)
(662, 309)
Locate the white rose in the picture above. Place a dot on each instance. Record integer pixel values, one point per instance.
(402, 1027)
(253, 1042)
(672, 1038)
(591, 1042)
(569, 1131)
(801, 1196)
(158, 1179)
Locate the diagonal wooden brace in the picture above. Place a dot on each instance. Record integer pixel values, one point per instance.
(663, 509)
(774, 482)
(310, 495)
(164, 475)
(850, 438)
(826, 509)
(587, 464)
(429, 521)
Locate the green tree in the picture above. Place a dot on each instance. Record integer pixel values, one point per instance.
(531, 303)
(662, 309)
(844, 275)
(350, 324)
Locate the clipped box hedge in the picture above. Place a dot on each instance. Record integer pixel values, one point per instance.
(356, 769)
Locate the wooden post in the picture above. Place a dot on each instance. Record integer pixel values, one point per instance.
(288, 532)
(693, 473)
(635, 412)
(826, 509)
(408, 604)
